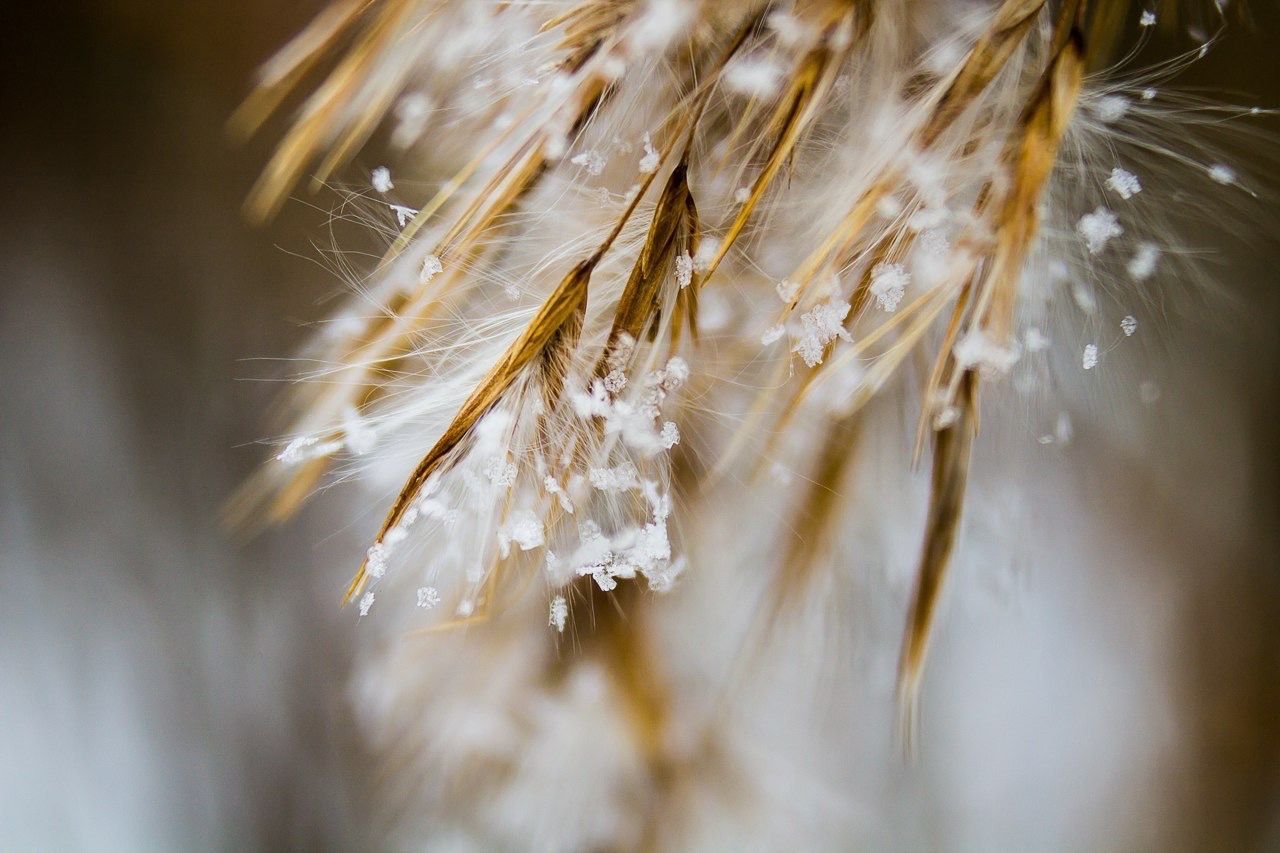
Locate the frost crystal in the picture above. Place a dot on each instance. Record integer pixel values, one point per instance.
(1125, 184)
(1144, 260)
(381, 180)
(593, 161)
(1223, 174)
(888, 285)
(684, 270)
(1089, 359)
(559, 613)
(822, 325)
(1129, 325)
(787, 290)
(428, 597)
(431, 267)
(1148, 19)
(742, 195)
(651, 160)
(1098, 228)
(366, 602)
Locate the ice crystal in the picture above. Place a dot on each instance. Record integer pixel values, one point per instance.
(592, 161)
(431, 267)
(651, 160)
(684, 269)
(822, 325)
(1124, 184)
(1143, 263)
(1098, 228)
(888, 285)
(559, 613)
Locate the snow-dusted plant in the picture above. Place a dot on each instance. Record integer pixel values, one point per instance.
(571, 359)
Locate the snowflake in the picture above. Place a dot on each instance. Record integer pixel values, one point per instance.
(651, 160)
(431, 267)
(1124, 184)
(381, 180)
(524, 530)
(499, 471)
(975, 349)
(1089, 359)
(593, 161)
(1129, 325)
(1111, 108)
(684, 269)
(619, 478)
(366, 602)
(1035, 340)
(888, 285)
(1144, 260)
(822, 325)
(428, 597)
(670, 435)
(554, 488)
(755, 77)
(1098, 228)
(772, 334)
(615, 381)
(559, 613)
(403, 214)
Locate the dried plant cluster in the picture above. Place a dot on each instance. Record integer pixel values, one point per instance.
(660, 275)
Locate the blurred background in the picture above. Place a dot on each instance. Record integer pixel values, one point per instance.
(166, 687)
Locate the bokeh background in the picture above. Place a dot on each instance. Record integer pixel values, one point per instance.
(165, 686)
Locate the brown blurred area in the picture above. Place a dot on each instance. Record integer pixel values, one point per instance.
(164, 686)
(167, 687)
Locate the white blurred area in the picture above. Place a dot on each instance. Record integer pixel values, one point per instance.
(1113, 685)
